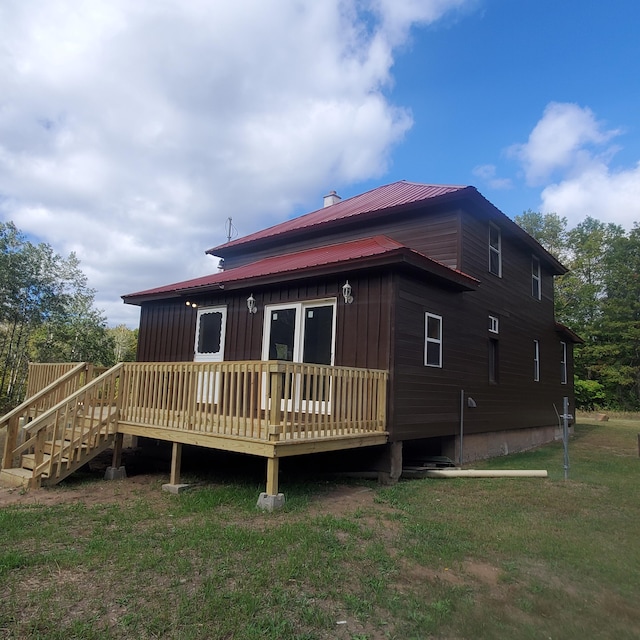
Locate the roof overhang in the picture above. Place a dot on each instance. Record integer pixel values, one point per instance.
(568, 334)
(345, 258)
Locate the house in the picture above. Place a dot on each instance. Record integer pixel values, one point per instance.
(430, 283)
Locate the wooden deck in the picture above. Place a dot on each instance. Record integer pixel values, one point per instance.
(265, 408)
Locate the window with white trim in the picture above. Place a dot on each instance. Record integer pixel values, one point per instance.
(432, 340)
(210, 334)
(536, 289)
(494, 324)
(536, 360)
(495, 250)
(563, 363)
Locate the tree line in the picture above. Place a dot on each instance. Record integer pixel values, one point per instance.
(599, 299)
(48, 314)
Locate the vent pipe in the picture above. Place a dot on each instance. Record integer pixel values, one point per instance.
(331, 198)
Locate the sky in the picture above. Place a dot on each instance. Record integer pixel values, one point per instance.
(131, 131)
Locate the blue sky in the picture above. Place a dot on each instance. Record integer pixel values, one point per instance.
(130, 132)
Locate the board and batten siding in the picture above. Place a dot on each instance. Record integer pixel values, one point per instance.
(433, 232)
(167, 328)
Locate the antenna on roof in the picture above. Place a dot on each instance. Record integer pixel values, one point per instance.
(232, 232)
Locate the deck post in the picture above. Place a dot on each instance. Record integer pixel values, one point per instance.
(116, 471)
(176, 462)
(271, 499)
(10, 443)
(174, 485)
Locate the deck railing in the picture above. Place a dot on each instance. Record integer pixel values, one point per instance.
(268, 401)
(264, 400)
(50, 384)
(61, 438)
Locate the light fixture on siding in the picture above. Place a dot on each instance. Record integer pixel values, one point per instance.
(251, 304)
(191, 304)
(346, 292)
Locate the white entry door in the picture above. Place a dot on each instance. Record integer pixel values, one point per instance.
(302, 332)
(209, 347)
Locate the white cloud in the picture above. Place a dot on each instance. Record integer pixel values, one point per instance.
(130, 131)
(488, 174)
(609, 196)
(564, 140)
(569, 155)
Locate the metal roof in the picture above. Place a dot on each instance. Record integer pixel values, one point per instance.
(388, 196)
(336, 254)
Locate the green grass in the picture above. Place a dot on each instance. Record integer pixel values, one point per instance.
(460, 558)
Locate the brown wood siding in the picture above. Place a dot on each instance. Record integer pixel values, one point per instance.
(167, 329)
(433, 233)
(426, 400)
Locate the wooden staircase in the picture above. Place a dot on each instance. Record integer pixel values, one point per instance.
(44, 448)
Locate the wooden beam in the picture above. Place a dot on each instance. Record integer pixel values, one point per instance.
(176, 462)
(273, 465)
(224, 443)
(116, 460)
(287, 448)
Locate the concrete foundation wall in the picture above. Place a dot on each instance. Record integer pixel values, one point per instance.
(499, 443)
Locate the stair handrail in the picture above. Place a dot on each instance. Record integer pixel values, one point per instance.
(44, 421)
(21, 408)
(31, 426)
(11, 420)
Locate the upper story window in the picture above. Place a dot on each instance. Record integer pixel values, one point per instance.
(432, 340)
(536, 288)
(536, 360)
(563, 363)
(494, 324)
(495, 250)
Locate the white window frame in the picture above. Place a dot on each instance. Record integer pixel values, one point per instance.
(494, 324)
(219, 355)
(536, 360)
(536, 280)
(493, 250)
(563, 363)
(430, 340)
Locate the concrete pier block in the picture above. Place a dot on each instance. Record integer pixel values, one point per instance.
(268, 502)
(175, 488)
(115, 473)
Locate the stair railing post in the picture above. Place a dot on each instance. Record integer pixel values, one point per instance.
(11, 442)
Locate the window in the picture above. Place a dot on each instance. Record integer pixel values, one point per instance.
(536, 360)
(300, 332)
(493, 360)
(210, 334)
(493, 324)
(495, 251)
(535, 278)
(432, 340)
(563, 363)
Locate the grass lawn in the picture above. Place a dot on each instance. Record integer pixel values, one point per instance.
(461, 558)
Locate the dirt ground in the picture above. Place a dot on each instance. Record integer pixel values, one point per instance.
(145, 479)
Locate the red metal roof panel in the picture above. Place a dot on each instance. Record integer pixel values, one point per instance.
(309, 258)
(392, 195)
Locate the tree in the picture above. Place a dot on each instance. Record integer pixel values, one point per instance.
(47, 312)
(125, 343)
(600, 299)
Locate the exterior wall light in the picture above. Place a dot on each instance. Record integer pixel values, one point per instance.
(191, 304)
(346, 293)
(251, 304)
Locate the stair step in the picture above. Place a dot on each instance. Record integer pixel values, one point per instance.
(29, 460)
(15, 477)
